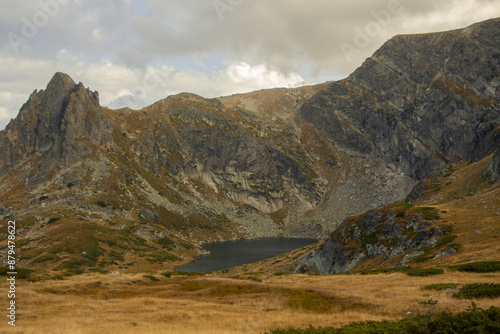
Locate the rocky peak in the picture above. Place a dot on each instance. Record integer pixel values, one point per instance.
(61, 82)
(50, 122)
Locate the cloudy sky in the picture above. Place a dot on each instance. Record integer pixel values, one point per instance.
(135, 52)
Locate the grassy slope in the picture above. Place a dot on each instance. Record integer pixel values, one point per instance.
(251, 303)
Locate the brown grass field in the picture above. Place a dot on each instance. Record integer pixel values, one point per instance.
(131, 303)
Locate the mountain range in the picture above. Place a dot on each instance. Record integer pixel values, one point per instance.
(92, 187)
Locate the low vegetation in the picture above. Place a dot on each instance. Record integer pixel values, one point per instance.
(440, 286)
(428, 213)
(479, 267)
(407, 270)
(479, 290)
(182, 273)
(424, 272)
(21, 272)
(308, 301)
(473, 321)
(151, 277)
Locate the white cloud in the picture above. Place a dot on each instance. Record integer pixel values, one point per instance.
(4, 114)
(112, 45)
(121, 86)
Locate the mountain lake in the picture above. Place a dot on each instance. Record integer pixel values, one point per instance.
(224, 255)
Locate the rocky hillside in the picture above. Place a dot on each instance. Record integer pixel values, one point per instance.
(93, 187)
(452, 218)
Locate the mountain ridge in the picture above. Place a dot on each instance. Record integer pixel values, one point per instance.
(283, 162)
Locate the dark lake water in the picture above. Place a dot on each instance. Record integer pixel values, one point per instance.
(230, 254)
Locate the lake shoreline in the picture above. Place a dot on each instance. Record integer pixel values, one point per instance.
(232, 253)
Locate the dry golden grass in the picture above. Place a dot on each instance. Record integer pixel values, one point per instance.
(130, 303)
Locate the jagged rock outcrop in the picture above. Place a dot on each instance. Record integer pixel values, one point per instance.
(493, 172)
(55, 124)
(377, 233)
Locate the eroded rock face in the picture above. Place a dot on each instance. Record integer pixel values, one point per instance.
(375, 234)
(494, 167)
(420, 101)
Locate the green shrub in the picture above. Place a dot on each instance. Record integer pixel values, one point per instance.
(428, 213)
(445, 239)
(74, 266)
(255, 279)
(237, 289)
(182, 273)
(162, 257)
(187, 246)
(431, 302)
(404, 205)
(151, 277)
(456, 247)
(440, 286)
(421, 258)
(382, 271)
(479, 267)
(44, 259)
(407, 270)
(165, 242)
(473, 321)
(21, 272)
(424, 272)
(52, 220)
(43, 198)
(478, 290)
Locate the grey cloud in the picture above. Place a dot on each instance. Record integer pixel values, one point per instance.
(292, 36)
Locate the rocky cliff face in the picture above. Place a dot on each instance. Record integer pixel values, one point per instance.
(420, 101)
(494, 168)
(377, 234)
(291, 162)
